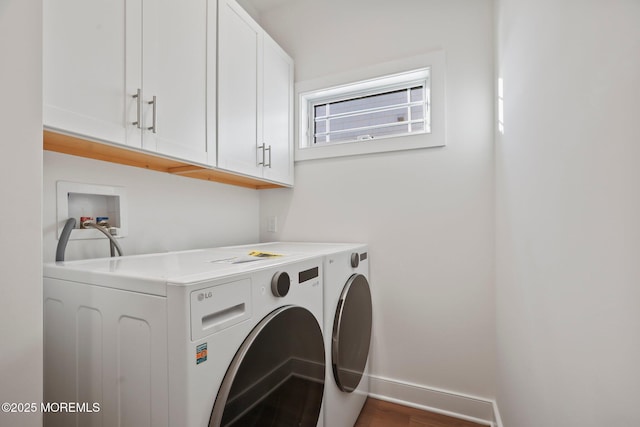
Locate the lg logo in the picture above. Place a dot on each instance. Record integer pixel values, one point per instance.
(204, 295)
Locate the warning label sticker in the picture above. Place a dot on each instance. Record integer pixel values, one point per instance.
(201, 353)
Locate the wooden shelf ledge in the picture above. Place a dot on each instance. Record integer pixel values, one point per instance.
(75, 146)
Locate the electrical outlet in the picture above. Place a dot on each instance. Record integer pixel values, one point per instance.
(272, 224)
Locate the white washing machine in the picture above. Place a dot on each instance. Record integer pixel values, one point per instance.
(347, 325)
(185, 339)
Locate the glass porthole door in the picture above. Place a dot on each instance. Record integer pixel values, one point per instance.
(351, 333)
(277, 376)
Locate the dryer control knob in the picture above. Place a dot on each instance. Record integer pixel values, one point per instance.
(355, 260)
(280, 283)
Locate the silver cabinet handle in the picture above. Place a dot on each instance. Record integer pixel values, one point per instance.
(153, 127)
(269, 150)
(263, 147)
(137, 97)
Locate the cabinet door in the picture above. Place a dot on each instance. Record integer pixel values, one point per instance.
(277, 112)
(239, 40)
(85, 61)
(175, 73)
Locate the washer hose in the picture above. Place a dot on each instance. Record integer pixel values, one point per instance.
(113, 242)
(64, 238)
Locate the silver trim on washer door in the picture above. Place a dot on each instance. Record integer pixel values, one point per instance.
(351, 336)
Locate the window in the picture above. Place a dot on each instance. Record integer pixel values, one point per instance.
(377, 111)
(386, 112)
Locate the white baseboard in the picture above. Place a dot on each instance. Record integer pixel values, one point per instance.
(458, 405)
(496, 415)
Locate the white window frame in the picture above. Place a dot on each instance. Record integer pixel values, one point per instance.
(398, 82)
(367, 80)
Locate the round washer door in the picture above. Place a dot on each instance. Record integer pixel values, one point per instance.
(351, 333)
(277, 376)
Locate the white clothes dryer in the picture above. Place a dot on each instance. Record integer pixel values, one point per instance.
(186, 339)
(347, 325)
(348, 306)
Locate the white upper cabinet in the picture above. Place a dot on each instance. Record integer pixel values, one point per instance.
(174, 79)
(191, 80)
(277, 112)
(84, 67)
(255, 95)
(239, 39)
(134, 72)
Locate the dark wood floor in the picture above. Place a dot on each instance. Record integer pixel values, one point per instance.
(378, 413)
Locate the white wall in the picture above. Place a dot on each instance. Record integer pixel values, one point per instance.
(165, 212)
(20, 208)
(568, 209)
(427, 214)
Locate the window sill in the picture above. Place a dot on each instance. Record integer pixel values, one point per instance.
(398, 143)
